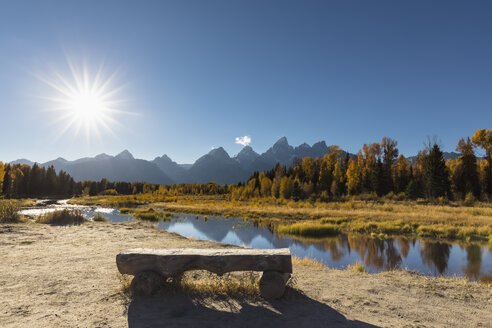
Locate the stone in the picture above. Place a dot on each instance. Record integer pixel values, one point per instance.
(272, 284)
(146, 283)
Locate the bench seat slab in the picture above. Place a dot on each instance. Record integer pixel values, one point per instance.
(172, 262)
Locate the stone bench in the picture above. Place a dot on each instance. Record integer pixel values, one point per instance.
(151, 266)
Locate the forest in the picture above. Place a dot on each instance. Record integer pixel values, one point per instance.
(376, 170)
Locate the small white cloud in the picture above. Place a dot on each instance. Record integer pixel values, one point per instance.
(243, 140)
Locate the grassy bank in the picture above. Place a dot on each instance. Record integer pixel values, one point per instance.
(441, 221)
(63, 217)
(147, 214)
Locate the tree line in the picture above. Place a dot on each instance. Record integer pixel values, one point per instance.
(376, 169)
(379, 169)
(25, 181)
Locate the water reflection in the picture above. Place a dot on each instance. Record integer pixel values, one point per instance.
(473, 262)
(436, 254)
(428, 257)
(46, 206)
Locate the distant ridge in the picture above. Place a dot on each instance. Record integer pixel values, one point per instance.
(215, 166)
(122, 167)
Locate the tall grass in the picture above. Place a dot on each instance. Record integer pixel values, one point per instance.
(307, 262)
(149, 214)
(446, 220)
(99, 218)
(9, 212)
(206, 284)
(357, 267)
(309, 229)
(63, 217)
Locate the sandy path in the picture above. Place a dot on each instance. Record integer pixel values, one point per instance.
(67, 277)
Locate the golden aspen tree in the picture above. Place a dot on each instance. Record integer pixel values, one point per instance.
(265, 185)
(483, 138)
(286, 187)
(353, 177)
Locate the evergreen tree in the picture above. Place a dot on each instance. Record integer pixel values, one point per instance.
(435, 173)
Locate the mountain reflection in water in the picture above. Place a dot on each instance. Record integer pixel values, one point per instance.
(428, 257)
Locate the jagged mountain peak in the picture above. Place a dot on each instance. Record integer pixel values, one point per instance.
(103, 156)
(125, 154)
(281, 148)
(164, 158)
(218, 152)
(303, 145)
(320, 144)
(281, 142)
(246, 150)
(246, 156)
(320, 148)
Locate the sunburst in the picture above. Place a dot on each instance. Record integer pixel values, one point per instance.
(85, 103)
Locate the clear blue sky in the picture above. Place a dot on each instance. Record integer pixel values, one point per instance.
(198, 74)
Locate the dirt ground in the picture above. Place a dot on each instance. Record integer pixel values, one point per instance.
(67, 277)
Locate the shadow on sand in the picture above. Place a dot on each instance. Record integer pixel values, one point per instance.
(179, 310)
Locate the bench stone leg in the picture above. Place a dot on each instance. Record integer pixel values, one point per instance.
(146, 283)
(272, 284)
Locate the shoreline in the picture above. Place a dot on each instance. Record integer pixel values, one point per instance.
(61, 275)
(438, 222)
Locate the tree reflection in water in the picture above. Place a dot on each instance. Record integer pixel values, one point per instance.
(435, 254)
(376, 254)
(473, 262)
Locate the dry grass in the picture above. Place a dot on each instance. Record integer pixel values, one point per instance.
(63, 217)
(8, 212)
(99, 218)
(206, 284)
(357, 267)
(309, 229)
(307, 262)
(234, 285)
(146, 214)
(446, 221)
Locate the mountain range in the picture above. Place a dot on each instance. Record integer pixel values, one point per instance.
(216, 165)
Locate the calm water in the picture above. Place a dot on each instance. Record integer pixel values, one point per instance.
(430, 258)
(45, 206)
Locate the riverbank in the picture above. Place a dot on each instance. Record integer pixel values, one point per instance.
(66, 276)
(406, 218)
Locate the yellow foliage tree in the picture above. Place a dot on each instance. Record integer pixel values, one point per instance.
(353, 177)
(286, 187)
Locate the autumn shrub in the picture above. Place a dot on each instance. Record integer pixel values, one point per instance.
(99, 218)
(357, 267)
(63, 217)
(9, 212)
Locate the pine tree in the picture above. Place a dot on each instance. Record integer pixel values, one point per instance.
(435, 174)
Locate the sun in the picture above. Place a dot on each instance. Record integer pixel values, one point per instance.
(86, 106)
(85, 103)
